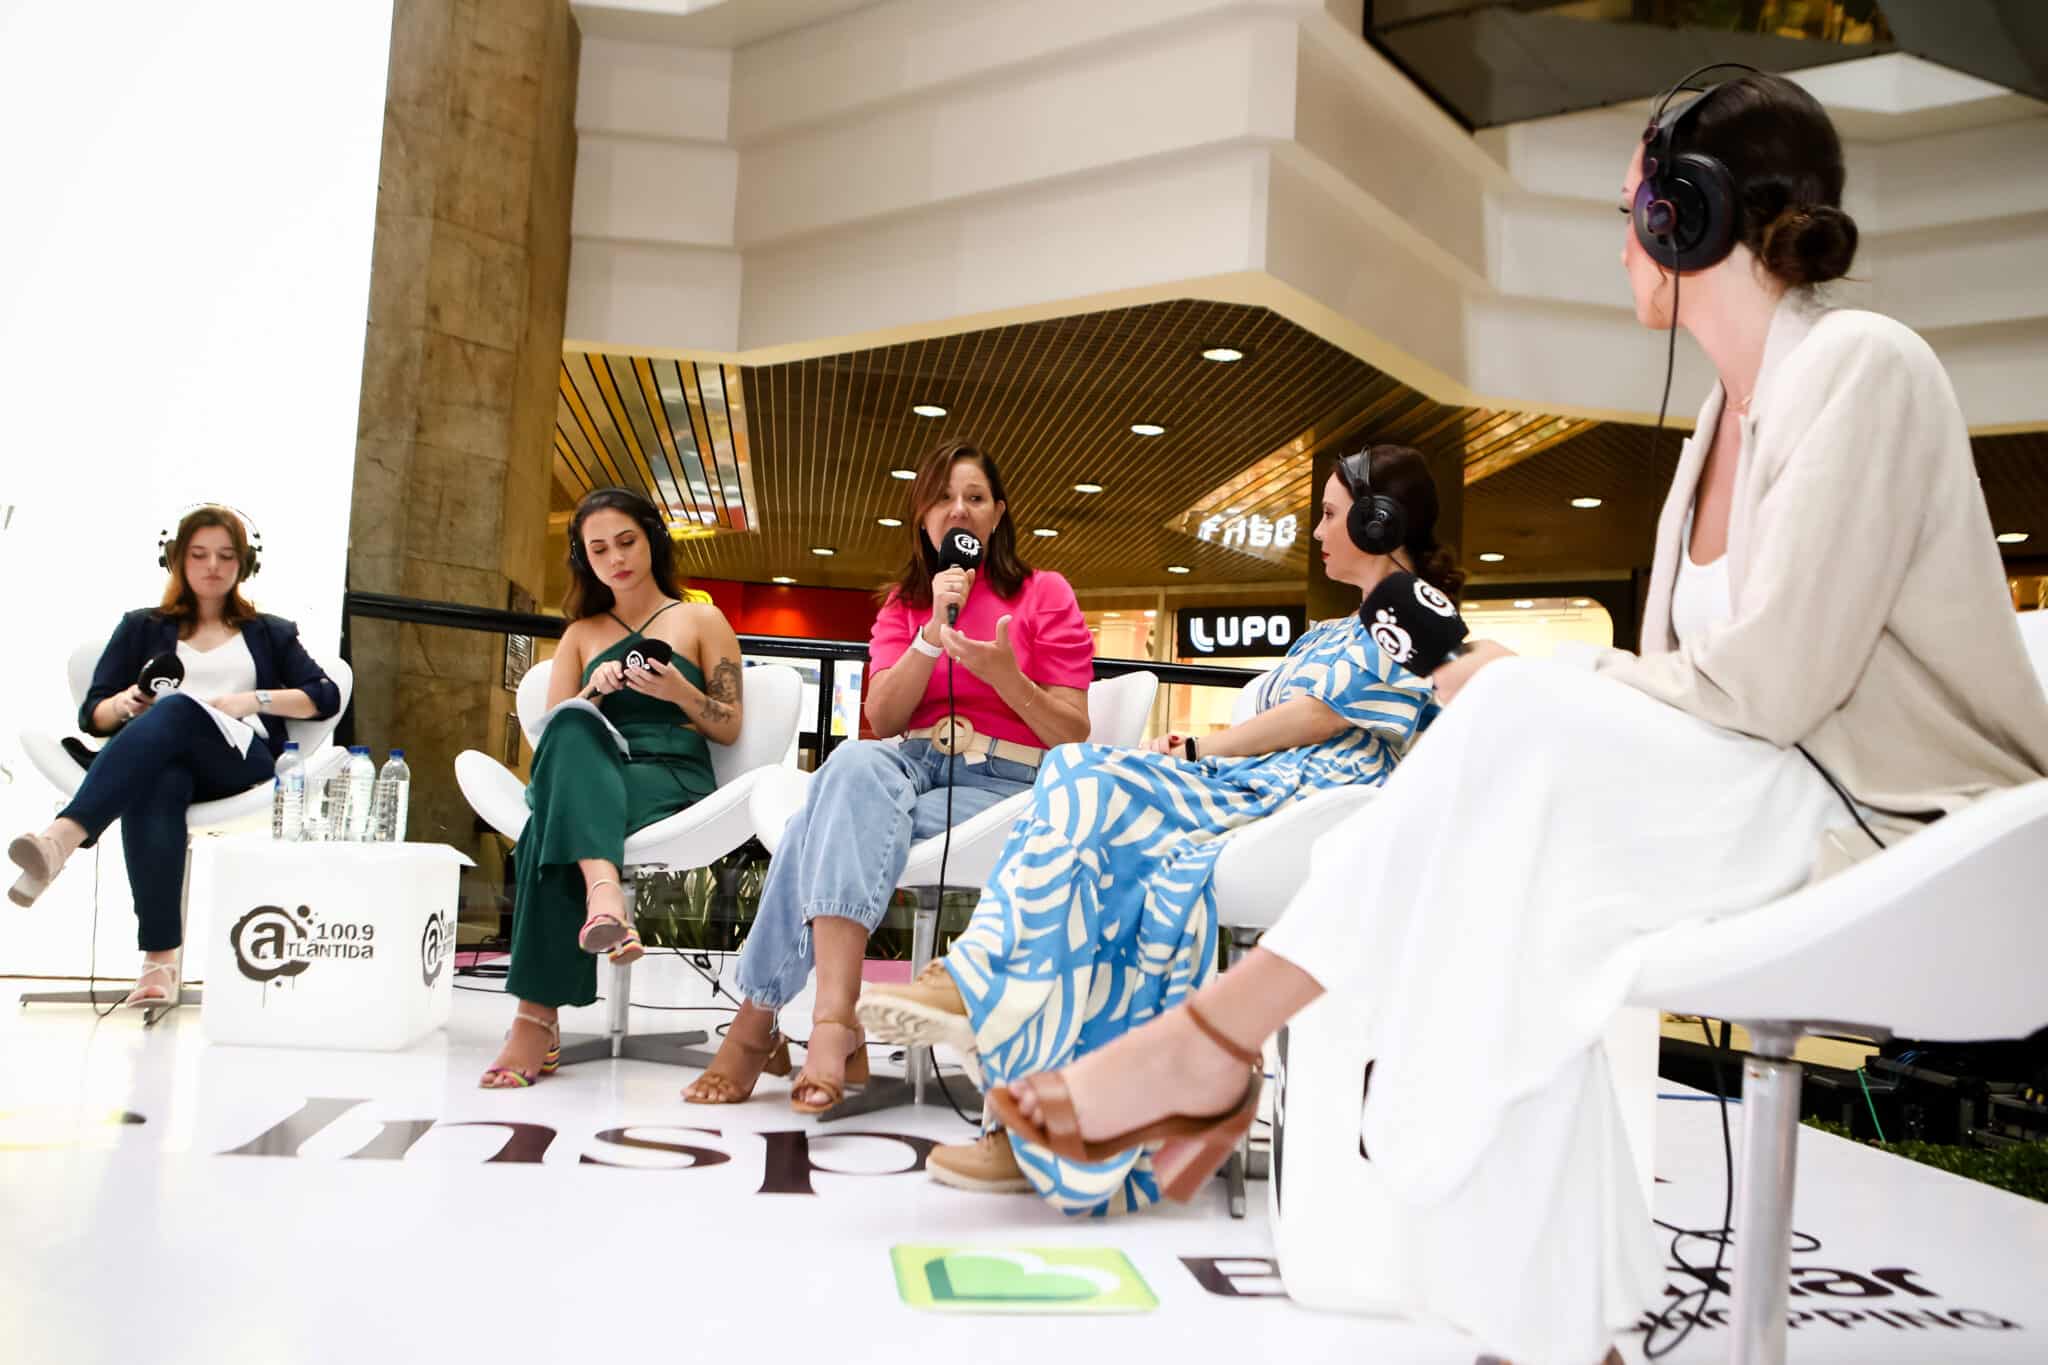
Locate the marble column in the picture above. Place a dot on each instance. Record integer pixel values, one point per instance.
(468, 285)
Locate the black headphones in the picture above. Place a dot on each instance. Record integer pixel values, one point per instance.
(624, 500)
(1376, 523)
(1685, 213)
(252, 561)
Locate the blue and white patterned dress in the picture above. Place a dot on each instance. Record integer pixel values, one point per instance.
(1100, 913)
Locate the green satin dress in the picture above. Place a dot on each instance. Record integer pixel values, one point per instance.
(586, 798)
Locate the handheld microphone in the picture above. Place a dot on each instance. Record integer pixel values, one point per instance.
(961, 550)
(162, 675)
(650, 651)
(1413, 622)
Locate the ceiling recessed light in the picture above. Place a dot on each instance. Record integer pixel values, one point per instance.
(1491, 558)
(1587, 503)
(905, 474)
(1147, 429)
(782, 578)
(1223, 354)
(1113, 615)
(887, 521)
(1178, 568)
(1045, 531)
(1150, 613)
(2011, 537)
(1523, 604)
(823, 551)
(1087, 488)
(1582, 601)
(929, 410)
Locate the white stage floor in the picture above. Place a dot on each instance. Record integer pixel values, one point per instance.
(381, 1228)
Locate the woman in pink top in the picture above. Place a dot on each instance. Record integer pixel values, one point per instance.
(1020, 663)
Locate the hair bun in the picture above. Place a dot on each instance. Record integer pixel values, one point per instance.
(1810, 244)
(1438, 567)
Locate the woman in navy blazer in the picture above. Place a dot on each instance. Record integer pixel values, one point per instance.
(168, 752)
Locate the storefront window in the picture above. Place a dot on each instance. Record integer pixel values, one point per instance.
(1536, 626)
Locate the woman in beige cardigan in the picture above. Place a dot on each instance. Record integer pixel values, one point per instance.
(1825, 577)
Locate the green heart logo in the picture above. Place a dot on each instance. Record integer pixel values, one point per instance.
(1012, 1277)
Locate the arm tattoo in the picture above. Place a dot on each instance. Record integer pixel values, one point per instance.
(722, 692)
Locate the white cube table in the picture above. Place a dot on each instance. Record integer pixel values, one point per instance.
(331, 945)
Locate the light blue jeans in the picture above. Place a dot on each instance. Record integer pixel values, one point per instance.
(843, 852)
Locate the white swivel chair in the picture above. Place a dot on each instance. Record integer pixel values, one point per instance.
(1964, 893)
(1941, 937)
(65, 773)
(695, 837)
(1117, 709)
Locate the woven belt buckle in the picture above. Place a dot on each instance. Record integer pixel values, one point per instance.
(953, 736)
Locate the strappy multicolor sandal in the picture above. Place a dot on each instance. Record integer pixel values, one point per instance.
(505, 1077)
(770, 1059)
(834, 1091)
(611, 934)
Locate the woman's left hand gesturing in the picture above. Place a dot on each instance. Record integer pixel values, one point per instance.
(664, 681)
(989, 660)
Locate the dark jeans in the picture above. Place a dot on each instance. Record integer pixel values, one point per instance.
(146, 777)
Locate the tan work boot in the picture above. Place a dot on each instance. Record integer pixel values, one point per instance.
(987, 1166)
(928, 1010)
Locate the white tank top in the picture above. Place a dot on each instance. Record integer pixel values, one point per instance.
(216, 672)
(1700, 599)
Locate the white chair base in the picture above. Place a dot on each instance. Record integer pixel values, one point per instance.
(1763, 1196)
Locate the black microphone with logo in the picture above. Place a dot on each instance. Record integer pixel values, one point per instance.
(962, 550)
(1414, 622)
(162, 675)
(650, 651)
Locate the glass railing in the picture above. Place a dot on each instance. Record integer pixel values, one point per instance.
(439, 679)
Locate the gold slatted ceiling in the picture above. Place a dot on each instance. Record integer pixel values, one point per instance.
(798, 455)
(674, 431)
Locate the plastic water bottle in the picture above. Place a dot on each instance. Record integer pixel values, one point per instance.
(288, 796)
(394, 789)
(362, 783)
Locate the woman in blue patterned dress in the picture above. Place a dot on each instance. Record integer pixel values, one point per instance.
(1100, 915)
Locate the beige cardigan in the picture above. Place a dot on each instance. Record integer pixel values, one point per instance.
(1871, 619)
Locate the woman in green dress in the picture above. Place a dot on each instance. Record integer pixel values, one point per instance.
(624, 744)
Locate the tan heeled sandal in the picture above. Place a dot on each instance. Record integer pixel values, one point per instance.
(149, 994)
(834, 1091)
(769, 1059)
(1208, 1140)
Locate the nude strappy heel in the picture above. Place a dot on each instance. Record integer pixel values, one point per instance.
(1209, 1139)
(509, 1078)
(609, 933)
(139, 998)
(40, 860)
(835, 1091)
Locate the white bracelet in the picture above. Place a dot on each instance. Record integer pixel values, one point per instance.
(924, 647)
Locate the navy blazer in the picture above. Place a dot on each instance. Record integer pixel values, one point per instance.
(282, 665)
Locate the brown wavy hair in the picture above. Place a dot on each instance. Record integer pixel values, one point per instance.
(1001, 568)
(180, 603)
(588, 595)
(1401, 473)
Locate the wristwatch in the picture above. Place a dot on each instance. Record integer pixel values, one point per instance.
(924, 646)
(1187, 747)
(262, 700)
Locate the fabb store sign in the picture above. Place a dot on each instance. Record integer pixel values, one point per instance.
(1237, 632)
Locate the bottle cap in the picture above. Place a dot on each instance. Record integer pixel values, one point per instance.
(290, 745)
(398, 753)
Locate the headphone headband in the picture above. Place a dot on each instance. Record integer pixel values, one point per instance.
(252, 560)
(1685, 213)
